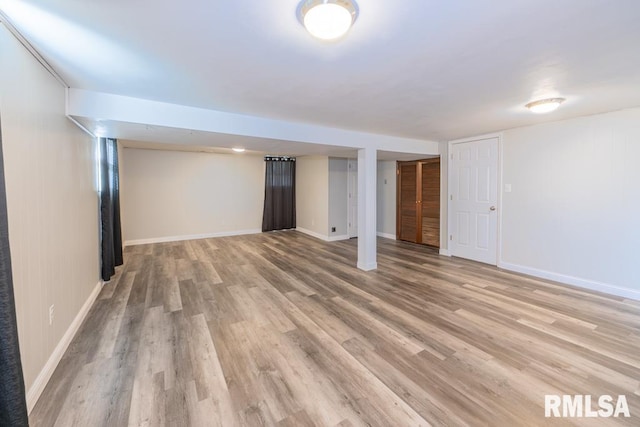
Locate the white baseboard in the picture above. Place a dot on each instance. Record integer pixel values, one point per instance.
(36, 389)
(367, 267)
(445, 252)
(190, 237)
(313, 234)
(386, 235)
(575, 281)
(340, 237)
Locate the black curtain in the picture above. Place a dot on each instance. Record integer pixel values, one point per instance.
(13, 406)
(111, 235)
(279, 194)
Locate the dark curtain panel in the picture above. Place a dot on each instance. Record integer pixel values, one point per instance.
(13, 406)
(279, 194)
(111, 236)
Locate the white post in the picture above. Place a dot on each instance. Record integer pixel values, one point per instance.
(367, 187)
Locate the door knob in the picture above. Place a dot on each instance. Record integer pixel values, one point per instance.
(492, 208)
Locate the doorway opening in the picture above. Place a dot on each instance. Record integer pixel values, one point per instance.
(352, 194)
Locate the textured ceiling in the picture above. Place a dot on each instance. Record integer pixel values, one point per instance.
(435, 70)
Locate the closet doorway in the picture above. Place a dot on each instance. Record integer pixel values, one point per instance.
(418, 202)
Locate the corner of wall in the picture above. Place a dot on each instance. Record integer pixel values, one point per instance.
(38, 386)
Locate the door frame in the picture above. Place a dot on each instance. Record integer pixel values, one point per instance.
(352, 231)
(450, 145)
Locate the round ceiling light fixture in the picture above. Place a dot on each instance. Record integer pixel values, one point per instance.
(328, 19)
(238, 149)
(545, 105)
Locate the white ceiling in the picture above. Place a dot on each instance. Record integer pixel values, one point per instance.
(423, 69)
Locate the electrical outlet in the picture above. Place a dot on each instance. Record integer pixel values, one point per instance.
(51, 313)
(333, 229)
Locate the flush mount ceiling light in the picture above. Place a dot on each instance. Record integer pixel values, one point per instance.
(238, 150)
(328, 19)
(545, 105)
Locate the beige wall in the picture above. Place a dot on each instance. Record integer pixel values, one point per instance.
(52, 204)
(173, 194)
(312, 194)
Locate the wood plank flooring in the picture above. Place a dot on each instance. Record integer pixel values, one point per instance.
(281, 329)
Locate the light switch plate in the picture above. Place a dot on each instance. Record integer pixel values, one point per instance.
(507, 188)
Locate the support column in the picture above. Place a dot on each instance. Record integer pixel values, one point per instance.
(367, 187)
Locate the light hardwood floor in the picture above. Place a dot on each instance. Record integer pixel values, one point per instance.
(281, 329)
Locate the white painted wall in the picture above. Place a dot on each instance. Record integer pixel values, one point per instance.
(386, 200)
(169, 195)
(312, 195)
(573, 213)
(338, 197)
(52, 205)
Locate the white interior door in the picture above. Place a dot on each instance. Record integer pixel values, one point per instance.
(473, 200)
(352, 203)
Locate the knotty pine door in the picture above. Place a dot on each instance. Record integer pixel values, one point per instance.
(418, 202)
